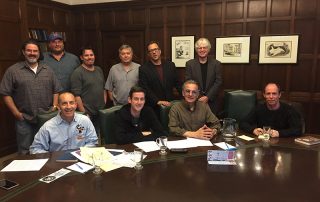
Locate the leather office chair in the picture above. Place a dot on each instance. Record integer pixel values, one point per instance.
(238, 103)
(107, 117)
(164, 115)
(299, 108)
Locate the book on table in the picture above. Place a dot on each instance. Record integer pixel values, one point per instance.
(307, 140)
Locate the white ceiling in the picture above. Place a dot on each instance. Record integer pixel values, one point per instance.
(76, 2)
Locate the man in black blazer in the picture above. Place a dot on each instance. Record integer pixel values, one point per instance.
(159, 78)
(206, 71)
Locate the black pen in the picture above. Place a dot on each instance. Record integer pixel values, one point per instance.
(79, 166)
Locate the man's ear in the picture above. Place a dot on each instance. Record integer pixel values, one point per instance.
(129, 100)
(279, 95)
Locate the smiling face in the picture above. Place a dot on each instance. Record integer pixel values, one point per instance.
(272, 96)
(137, 101)
(190, 92)
(56, 46)
(154, 53)
(31, 53)
(67, 105)
(202, 50)
(88, 57)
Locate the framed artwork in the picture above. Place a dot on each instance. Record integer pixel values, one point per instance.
(182, 49)
(233, 49)
(278, 49)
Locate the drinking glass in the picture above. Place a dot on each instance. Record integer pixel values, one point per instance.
(266, 132)
(162, 143)
(137, 157)
(96, 160)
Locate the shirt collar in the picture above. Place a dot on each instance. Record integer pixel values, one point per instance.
(61, 120)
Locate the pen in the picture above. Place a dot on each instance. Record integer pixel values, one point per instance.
(79, 166)
(227, 146)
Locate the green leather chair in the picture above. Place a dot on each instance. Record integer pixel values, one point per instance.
(164, 115)
(238, 103)
(107, 117)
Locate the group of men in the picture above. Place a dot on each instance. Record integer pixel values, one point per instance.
(61, 82)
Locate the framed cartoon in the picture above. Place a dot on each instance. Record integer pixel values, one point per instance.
(182, 49)
(233, 49)
(278, 49)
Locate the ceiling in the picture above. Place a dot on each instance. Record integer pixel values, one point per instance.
(76, 2)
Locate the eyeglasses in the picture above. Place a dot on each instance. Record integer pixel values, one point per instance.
(193, 92)
(155, 49)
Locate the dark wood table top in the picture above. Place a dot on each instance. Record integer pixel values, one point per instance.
(275, 170)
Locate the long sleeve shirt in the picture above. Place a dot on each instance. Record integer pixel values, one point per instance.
(285, 120)
(57, 134)
(182, 119)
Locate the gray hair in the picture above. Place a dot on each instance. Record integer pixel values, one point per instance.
(203, 41)
(125, 46)
(190, 81)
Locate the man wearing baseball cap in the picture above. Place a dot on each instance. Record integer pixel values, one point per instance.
(61, 62)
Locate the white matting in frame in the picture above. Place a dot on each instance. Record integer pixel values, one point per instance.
(233, 49)
(278, 49)
(182, 49)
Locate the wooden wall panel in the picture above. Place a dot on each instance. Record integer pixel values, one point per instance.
(33, 13)
(213, 13)
(307, 31)
(280, 8)
(138, 16)
(156, 16)
(257, 9)
(89, 21)
(60, 18)
(10, 9)
(280, 27)
(233, 29)
(193, 14)
(121, 17)
(317, 80)
(252, 77)
(174, 14)
(300, 76)
(46, 16)
(10, 40)
(255, 29)
(234, 10)
(304, 9)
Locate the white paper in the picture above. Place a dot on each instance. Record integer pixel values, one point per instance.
(80, 167)
(126, 159)
(231, 162)
(247, 138)
(225, 146)
(147, 146)
(178, 144)
(198, 142)
(25, 165)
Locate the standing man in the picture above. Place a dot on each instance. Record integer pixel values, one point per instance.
(61, 62)
(68, 130)
(122, 77)
(158, 77)
(29, 88)
(281, 117)
(206, 71)
(87, 83)
(136, 122)
(192, 118)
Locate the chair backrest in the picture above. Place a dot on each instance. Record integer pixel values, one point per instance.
(299, 108)
(239, 103)
(164, 115)
(107, 128)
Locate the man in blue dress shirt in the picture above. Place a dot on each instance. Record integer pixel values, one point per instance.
(68, 130)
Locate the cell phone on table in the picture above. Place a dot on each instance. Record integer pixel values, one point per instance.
(7, 184)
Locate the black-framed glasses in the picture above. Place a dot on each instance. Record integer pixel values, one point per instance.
(152, 50)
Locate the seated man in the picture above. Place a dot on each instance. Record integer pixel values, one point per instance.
(136, 122)
(192, 118)
(282, 118)
(67, 130)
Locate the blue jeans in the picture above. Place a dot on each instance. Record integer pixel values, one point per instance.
(25, 134)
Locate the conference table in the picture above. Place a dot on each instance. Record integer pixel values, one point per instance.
(274, 170)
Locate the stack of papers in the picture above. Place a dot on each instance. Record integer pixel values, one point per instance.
(25, 165)
(80, 167)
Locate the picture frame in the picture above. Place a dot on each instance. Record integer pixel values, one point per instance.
(278, 49)
(233, 49)
(182, 49)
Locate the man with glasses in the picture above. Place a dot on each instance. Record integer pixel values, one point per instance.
(206, 71)
(136, 122)
(61, 62)
(191, 117)
(159, 78)
(68, 130)
(29, 88)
